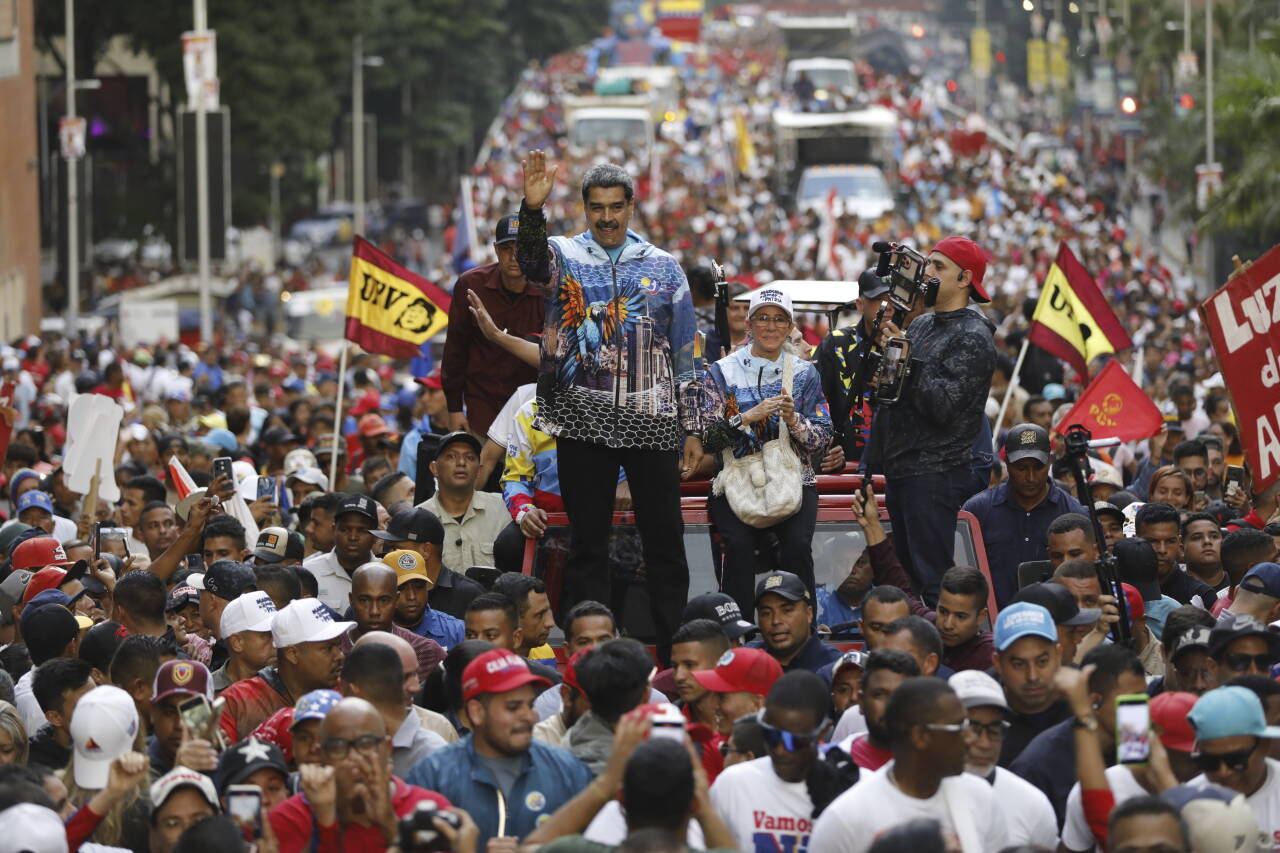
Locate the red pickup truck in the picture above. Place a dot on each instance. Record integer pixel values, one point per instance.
(836, 537)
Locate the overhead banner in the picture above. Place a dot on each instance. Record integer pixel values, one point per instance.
(1243, 319)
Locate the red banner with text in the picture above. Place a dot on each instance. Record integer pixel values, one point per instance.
(1243, 319)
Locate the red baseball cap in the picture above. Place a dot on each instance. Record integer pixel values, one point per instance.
(47, 578)
(571, 668)
(432, 380)
(37, 553)
(1136, 608)
(370, 402)
(968, 255)
(741, 671)
(497, 671)
(373, 425)
(181, 678)
(1169, 715)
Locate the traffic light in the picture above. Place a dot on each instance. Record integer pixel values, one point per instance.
(917, 31)
(952, 86)
(1128, 105)
(1186, 102)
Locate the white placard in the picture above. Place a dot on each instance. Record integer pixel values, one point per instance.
(148, 322)
(93, 423)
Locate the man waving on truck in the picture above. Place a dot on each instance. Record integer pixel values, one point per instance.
(617, 384)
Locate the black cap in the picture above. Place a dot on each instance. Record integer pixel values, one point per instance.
(359, 504)
(507, 229)
(1060, 603)
(277, 435)
(1195, 637)
(47, 630)
(180, 597)
(1233, 626)
(1122, 498)
(246, 758)
(226, 579)
(98, 645)
(871, 286)
(1137, 565)
(456, 436)
(721, 608)
(413, 525)
(1026, 441)
(785, 584)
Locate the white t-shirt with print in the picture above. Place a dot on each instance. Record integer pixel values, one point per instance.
(1076, 834)
(875, 805)
(761, 810)
(1265, 802)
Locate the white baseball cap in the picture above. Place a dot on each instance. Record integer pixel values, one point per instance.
(299, 458)
(310, 475)
(770, 296)
(252, 611)
(29, 827)
(975, 689)
(305, 620)
(183, 777)
(103, 728)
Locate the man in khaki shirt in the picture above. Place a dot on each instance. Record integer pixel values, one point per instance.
(472, 520)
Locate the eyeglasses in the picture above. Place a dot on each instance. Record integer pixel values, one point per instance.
(337, 748)
(793, 742)
(1240, 662)
(995, 730)
(952, 728)
(771, 321)
(1237, 761)
(1190, 676)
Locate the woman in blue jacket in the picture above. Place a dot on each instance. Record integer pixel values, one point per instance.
(744, 406)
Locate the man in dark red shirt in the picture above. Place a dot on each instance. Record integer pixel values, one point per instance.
(351, 803)
(308, 646)
(478, 373)
(373, 604)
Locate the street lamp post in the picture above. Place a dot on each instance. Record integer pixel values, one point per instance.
(1210, 280)
(358, 63)
(201, 24)
(73, 194)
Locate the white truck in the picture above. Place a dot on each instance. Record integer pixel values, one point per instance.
(849, 151)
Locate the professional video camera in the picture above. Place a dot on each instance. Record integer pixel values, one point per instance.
(887, 369)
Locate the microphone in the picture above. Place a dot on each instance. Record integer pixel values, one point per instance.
(1103, 442)
(883, 264)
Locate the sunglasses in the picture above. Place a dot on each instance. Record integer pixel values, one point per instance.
(1240, 662)
(1236, 761)
(793, 742)
(995, 730)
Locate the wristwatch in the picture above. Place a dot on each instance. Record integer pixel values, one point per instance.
(735, 421)
(1090, 723)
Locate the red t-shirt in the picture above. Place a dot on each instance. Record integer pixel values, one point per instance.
(249, 703)
(866, 755)
(294, 824)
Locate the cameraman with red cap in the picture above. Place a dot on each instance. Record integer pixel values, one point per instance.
(923, 443)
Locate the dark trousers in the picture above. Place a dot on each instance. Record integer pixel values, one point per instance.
(588, 480)
(737, 573)
(922, 510)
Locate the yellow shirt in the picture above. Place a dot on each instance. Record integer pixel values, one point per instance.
(542, 652)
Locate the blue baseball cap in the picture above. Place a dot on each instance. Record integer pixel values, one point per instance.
(1263, 578)
(507, 229)
(1230, 712)
(314, 705)
(41, 500)
(1024, 619)
(222, 438)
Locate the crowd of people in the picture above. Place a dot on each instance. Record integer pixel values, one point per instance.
(310, 628)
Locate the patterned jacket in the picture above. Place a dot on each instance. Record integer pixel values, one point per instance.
(619, 361)
(740, 380)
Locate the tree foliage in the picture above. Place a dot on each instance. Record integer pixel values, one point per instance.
(285, 73)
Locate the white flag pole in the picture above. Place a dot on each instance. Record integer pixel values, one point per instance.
(1008, 393)
(338, 419)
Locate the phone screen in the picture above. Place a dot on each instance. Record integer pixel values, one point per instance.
(1133, 730)
(196, 715)
(266, 487)
(244, 807)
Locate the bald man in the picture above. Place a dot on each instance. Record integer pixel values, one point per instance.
(373, 604)
(353, 801)
(432, 721)
(372, 671)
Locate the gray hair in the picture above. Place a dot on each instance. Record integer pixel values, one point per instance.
(11, 723)
(607, 175)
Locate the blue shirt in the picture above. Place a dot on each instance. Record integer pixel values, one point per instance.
(814, 656)
(1013, 535)
(446, 630)
(833, 611)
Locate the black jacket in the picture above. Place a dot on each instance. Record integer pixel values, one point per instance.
(932, 428)
(46, 751)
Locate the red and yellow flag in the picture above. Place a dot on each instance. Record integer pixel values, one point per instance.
(390, 310)
(1113, 406)
(1073, 320)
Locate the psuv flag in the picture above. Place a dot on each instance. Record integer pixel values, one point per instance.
(1073, 320)
(681, 20)
(1113, 406)
(390, 310)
